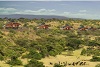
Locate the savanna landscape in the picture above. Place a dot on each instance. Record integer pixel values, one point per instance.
(49, 42)
(49, 33)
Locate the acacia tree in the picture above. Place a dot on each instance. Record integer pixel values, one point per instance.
(74, 43)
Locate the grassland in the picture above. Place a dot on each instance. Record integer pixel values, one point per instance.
(50, 45)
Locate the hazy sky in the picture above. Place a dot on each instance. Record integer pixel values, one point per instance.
(76, 9)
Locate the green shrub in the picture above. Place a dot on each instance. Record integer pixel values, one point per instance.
(83, 52)
(10, 53)
(34, 54)
(34, 63)
(1, 33)
(52, 53)
(14, 61)
(22, 42)
(1, 25)
(90, 51)
(44, 52)
(74, 43)
(95, 58)
(70, 48)
(1, 57)
(12, 31)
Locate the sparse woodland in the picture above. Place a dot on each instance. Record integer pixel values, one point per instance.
(32, 43)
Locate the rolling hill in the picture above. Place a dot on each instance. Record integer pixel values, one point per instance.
(33, 16)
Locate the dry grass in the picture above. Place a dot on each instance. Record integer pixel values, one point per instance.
(54, 25)
(76, 25)
(2, 64)
(62, 58)
(70, 59)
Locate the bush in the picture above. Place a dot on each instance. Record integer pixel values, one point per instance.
(90, 51)
(10, 53)
(34, 54)
(22, 42)
(1, 33)
(70, 48)
(1, 57)
(93, 43)
(83, 52)
(14, 61)
(52, 53)
(44, 52)
(95, 58)
(12, 31)
(34, 63)
(1, 25)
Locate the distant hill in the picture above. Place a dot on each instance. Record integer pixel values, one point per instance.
(33, 16)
